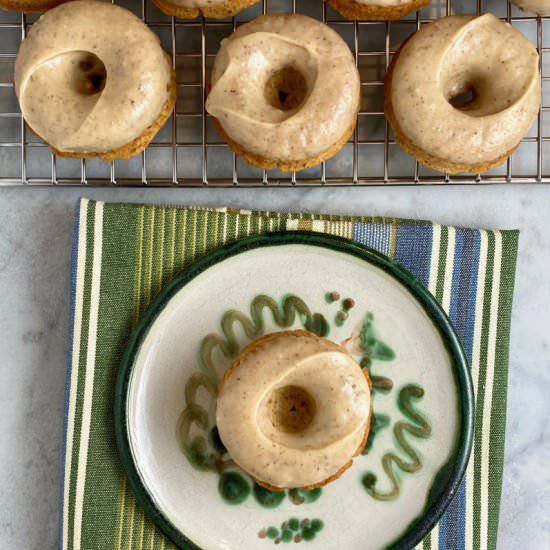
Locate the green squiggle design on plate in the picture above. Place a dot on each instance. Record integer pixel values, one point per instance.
(196, 450)
(254, 326)
(213, 457)
(417, 427)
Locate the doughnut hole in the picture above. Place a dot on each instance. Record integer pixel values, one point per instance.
(70, 83)
(463, 99)
(291, 409)
(286, 89)
(472, 95)
(480, 88)
(75, 73)
(89, 74)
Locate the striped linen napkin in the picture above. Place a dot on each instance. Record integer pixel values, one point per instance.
(124, 254)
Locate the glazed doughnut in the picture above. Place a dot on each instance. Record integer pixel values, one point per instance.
(28, 6)
(285, 91)
(215, 9)
(93, 81)
(376, 10)
(541, 7)
(482, 57)
(293, 410)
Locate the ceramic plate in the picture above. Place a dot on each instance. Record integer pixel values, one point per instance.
(165, 403)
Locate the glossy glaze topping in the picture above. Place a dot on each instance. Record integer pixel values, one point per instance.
(284, 87)
(495, 68)
(294, 410)
(91, 77)
(542, 7)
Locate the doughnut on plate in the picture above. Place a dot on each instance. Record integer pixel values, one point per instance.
(418, 446)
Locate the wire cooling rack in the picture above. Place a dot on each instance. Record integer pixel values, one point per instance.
(188, 152)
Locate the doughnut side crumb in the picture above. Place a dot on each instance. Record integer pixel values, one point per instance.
(288, 165)
(356, 11)
(30, 6)
(219, 11)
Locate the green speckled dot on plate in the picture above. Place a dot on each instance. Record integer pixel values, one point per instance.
(267, 498)
(286, 535)
(308, 533)
(312, 495)
(316, 524)
(234, 294)
(233, 487)
(272, 532)
(299, 496)
(294, 524)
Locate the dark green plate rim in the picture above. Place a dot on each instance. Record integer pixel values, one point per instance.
(450, 477)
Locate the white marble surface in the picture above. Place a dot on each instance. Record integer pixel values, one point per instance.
(35, 239)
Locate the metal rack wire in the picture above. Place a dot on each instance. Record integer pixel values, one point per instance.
(187, 150)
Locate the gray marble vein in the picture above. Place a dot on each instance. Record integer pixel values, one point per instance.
(35, 240)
